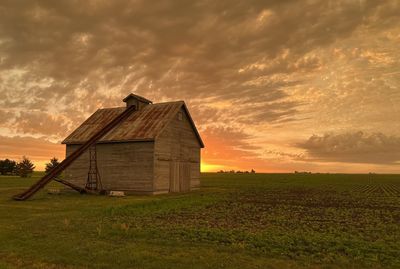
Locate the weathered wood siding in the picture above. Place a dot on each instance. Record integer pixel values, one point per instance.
(122, 166)
(177, 157)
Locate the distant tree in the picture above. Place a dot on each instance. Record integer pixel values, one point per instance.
(25, 167)
(253, 171)
(53, 163)
(7, 167)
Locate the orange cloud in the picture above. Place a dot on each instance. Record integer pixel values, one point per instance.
(249, 69)
(38, 150)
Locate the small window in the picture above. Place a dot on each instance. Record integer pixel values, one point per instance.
(180, 116)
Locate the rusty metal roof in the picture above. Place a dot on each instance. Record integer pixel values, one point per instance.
(142, 125)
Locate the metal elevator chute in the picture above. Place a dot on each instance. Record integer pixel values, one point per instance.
(67, 161)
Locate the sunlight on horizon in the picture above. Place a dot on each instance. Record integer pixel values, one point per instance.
(207, 167)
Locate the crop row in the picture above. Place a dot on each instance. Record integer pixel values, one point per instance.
(383, 189)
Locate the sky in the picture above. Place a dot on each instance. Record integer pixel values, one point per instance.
(273, 85)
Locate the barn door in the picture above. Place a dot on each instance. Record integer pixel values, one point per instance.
(184, 176)
(179, 176)
(174, 176)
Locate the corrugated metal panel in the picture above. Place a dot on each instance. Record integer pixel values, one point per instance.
(142, 125)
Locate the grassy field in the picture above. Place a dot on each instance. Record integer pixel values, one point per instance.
(233, 221)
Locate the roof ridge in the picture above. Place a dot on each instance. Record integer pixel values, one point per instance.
(169, 102)
(161, 103)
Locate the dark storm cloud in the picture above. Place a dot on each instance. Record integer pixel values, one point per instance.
(355, 147)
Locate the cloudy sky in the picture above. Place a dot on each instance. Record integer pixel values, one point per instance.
(272, 85)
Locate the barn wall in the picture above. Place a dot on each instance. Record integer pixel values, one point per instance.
(122, 166)
(76, 173)
(177, 146)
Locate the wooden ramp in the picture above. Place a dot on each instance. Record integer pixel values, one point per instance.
(67, 161)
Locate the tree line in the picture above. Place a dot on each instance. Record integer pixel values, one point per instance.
(23, 168)
(238, 172)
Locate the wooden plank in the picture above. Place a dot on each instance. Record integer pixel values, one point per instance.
(177, 143)
(121, 166)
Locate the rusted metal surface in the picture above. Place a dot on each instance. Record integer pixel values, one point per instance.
(141, 125)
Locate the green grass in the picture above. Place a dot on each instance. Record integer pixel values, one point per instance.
(233, 221)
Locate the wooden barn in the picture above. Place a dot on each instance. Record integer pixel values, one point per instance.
(156, 149)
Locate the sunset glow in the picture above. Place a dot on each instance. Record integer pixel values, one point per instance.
(275, 86)
(205, 167)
